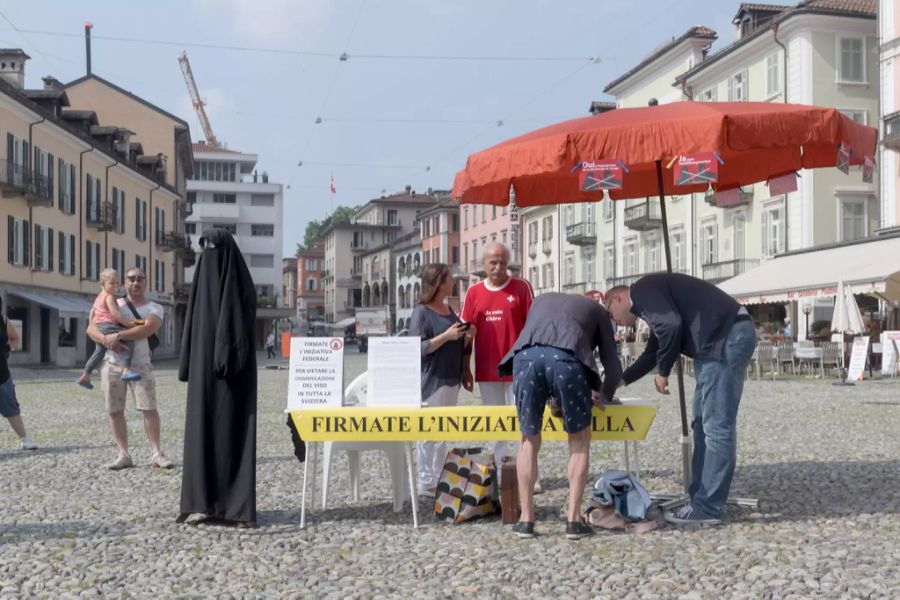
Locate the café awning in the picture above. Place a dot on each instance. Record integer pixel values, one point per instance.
(868, 267)
(68, 305)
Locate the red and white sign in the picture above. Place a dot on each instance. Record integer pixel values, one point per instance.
(700, 168)
(843, 159)
(868, 173)
(595, 176)
(782, 185)
(858, 358)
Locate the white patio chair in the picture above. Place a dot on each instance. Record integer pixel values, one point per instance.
(786, 357)
(765, 359)
(831, 356)
(355, 394)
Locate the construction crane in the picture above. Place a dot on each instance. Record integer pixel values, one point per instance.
(197, 102)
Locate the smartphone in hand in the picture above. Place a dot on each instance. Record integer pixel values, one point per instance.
(465, 325)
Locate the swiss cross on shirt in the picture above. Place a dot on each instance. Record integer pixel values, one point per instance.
(511, 298)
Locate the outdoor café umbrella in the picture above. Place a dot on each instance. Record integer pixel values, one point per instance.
(627, 151)
(845, 319)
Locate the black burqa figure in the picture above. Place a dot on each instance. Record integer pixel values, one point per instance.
(218, 360)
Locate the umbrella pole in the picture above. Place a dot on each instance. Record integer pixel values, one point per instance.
(685, 438)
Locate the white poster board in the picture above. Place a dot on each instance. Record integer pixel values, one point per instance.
(395, 372)
(858, 358)
(316, 376)
(888, 356)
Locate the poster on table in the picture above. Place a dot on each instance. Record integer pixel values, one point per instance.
(395, 372)
(858, 358)
(890, 340)
(316, 375)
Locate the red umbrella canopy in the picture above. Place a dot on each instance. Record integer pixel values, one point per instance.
(754, 141)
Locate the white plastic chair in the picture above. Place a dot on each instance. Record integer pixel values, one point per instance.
(355, 394)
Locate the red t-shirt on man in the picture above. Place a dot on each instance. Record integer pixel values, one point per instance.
(499, 316)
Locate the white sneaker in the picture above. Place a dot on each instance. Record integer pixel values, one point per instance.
(28, 443)
(123, 461)
(537, 487)
(160, 461)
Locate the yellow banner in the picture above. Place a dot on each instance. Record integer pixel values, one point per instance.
(359, 423)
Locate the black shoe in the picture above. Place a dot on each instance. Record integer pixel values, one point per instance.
(524, 529)
(575, 530)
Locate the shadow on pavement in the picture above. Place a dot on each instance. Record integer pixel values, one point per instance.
(23, 454)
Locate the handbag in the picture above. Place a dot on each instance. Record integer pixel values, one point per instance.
(153, 340)
(467, 486)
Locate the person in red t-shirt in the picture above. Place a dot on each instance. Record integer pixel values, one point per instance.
(496, 308)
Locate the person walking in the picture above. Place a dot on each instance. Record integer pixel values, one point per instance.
(270, 344)
(693, 317)
(554, 356)
(9, 404)
(143, 390)
(443, 339)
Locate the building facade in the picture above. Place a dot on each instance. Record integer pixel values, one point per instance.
(440, 235)
(310, 295)
(289, 282)
(541, 242)
(481, 225)
(407, 259)
(889, 77)
(77, 199)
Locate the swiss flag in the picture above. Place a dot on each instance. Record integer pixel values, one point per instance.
(333, 190)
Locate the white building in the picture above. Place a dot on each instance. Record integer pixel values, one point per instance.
(226, 192)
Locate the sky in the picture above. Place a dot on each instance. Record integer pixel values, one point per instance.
(425, 83)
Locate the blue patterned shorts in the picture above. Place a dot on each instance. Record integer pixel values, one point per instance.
(543, 371)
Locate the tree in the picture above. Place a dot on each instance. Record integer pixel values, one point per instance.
(341, 214)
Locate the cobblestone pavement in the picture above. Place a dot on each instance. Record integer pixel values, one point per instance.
(823, 460)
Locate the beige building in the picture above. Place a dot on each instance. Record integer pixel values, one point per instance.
(889, 75)
(79, 196)
(157, 136)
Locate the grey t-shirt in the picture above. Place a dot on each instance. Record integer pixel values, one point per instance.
(443, 367)
(141, 355)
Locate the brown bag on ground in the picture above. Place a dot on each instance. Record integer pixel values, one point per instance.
(509, 491)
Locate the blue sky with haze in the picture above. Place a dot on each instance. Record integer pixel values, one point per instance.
(390, 117)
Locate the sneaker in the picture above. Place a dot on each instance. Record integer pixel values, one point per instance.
(28, 444)
(524, 529)
(123, 461)
(85, 382)
(537, 487)
(575, 530)
(687, 516)
(160, 461)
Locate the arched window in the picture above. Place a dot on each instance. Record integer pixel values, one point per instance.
(401, 297)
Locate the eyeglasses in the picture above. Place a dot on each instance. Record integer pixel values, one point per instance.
(133, 278)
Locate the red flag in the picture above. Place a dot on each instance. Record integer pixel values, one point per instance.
(333, 190)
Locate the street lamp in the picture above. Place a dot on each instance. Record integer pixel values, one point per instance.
(807, 308)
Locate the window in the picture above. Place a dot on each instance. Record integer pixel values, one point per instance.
(262, 200)
(737, 87)
(483, 214)
(66, 187)
(67, 332)
(740, 236)
(853, 219)
(851, 60)
(547, 230)
(454, 223)
(709, 244)
(393, 219)
(708, 95)
(118, 198)
(224, 198)
(549, 279)
(18, 241)
(311, 284)
(118, 262)
(66, 254)
(569, 215)
(773, 75)
(569, 276)
(262, 260)
(677, 247)
(92, 260)
(159, 275)
(454, 255)
(587, 264)
(160, 224)
(860, 115)
(609, 261)
(311, 264)
(609, 210)
(651, 260)
(43, 248)
(190, 228)
(140, 219)
(466, 218)
(92, 208)
(43, 167)
(262, 230)
(773, 235)
(631, 257)
(140, 262)
(533, 276)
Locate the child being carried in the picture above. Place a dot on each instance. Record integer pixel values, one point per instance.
(106, 316)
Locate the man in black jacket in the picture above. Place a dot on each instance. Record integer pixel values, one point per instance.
(692, 317)
(553, 356)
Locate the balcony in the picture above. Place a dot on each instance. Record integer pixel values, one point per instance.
(547, 246)
(726, 269)
(582, 287)
(745, 198)
(326, 273)
(168, 241)
(16, 180)
(891, 138)
(182, 292)
(532, 250)
(476, 267)
(185, 209)
(643, 215)
(581, 234)
(627, 279)
(359, 245)
(349, 282)
(221, 213)
(101, 216)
